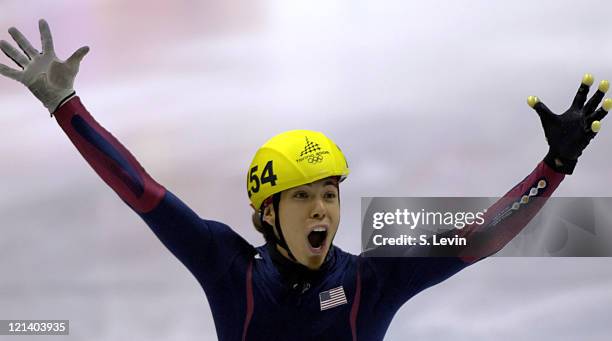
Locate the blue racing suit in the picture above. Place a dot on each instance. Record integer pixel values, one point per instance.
(257, 294)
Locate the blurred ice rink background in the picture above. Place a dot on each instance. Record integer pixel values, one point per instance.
(426, 98)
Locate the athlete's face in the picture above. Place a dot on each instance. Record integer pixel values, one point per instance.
(309, 218)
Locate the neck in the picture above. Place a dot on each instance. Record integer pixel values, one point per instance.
(283, 252)
(281, 258)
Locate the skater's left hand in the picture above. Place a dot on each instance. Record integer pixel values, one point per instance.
(568, 134)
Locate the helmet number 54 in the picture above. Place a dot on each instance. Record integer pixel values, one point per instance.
(267, 176)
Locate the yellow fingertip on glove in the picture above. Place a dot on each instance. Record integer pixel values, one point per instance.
(533, 100)
(607, 104)
(604, 85)
(595, 126)
(587, 79)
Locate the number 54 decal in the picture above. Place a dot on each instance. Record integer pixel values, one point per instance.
(267, 176)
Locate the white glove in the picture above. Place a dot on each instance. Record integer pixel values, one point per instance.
(50, 79)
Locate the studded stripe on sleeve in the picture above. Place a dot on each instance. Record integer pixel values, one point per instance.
(510, 214)
(422, 267)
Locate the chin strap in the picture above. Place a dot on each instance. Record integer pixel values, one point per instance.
(280, 240)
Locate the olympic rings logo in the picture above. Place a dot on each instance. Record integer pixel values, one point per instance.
(314, 158)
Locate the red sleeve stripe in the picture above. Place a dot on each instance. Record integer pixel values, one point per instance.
(355, 307)
(109, 158)
(249, 301)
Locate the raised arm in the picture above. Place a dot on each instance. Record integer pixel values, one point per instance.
(567, 135)
(197, 243)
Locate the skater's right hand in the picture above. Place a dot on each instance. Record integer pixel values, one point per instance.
(48, 78)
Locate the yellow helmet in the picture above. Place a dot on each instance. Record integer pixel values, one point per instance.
(292, 159)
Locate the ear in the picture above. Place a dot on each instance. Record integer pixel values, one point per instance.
(269, 216)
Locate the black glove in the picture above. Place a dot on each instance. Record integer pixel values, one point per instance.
(569, 134)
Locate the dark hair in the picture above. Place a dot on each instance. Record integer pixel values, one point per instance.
(261, 225)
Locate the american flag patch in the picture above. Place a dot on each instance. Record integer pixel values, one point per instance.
(332, 298)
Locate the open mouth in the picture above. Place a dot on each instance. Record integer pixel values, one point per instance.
(317, 237)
